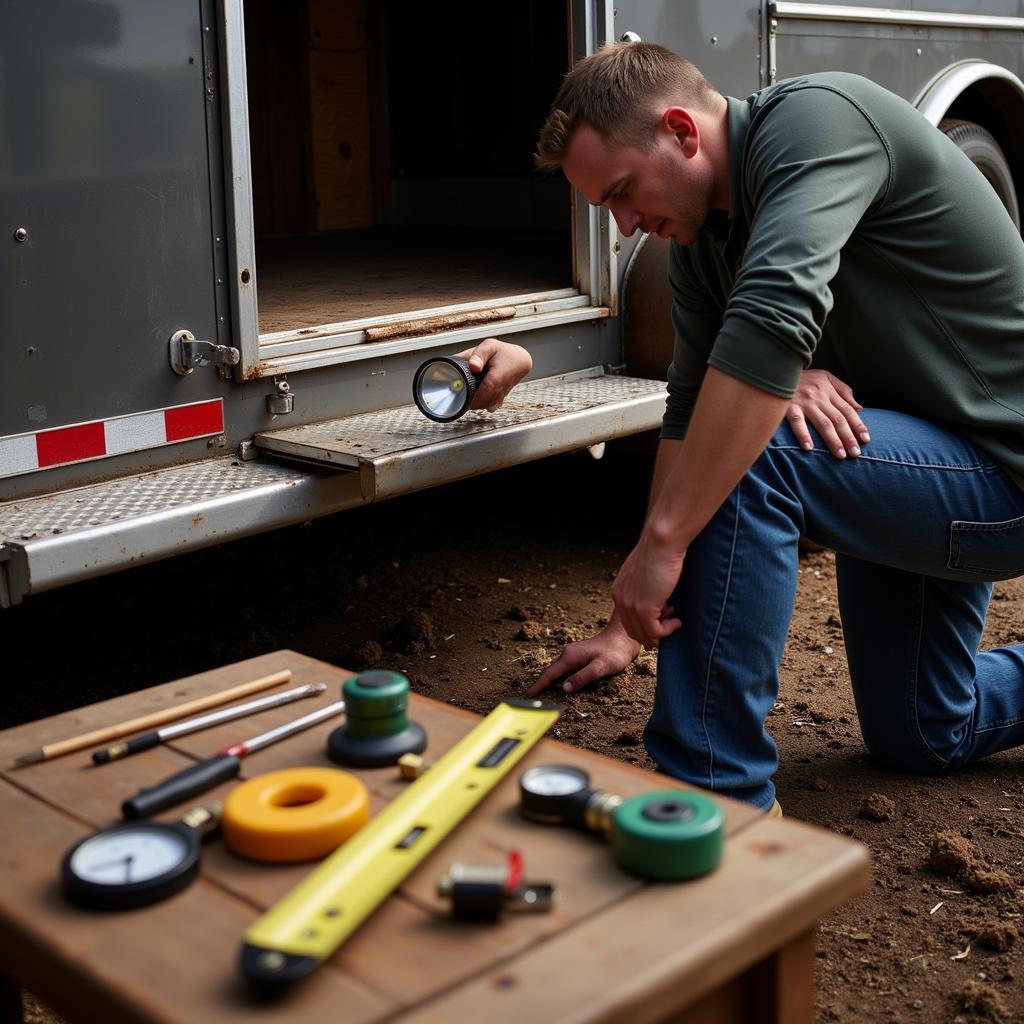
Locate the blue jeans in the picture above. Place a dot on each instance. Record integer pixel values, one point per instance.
(921, 524)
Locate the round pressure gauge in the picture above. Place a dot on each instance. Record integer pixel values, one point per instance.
(556, 794)
(131, 865)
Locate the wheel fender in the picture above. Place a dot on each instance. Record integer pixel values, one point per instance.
(647, 337)
(987, 94)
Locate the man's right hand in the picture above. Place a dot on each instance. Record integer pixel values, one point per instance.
(586, 661)
(503, 365)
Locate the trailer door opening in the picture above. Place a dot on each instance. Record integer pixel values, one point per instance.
(391, 152)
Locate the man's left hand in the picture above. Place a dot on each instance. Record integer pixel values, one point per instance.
(827, 403)
(642, 588)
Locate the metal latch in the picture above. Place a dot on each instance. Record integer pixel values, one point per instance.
(187, 353)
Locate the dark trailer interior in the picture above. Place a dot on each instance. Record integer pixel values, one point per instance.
(391, 148)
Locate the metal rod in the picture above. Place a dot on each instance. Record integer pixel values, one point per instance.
(149, 740)
(266, 738)
(228, 714)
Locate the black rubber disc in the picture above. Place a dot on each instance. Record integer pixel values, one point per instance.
(375, 751)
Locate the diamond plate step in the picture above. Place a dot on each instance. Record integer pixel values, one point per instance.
(400, 450)
(55, 539)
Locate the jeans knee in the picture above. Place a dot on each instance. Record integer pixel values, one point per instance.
(907, 754)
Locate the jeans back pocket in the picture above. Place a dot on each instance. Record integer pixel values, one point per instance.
(989, 551)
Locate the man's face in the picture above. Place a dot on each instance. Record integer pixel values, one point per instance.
(666, 190)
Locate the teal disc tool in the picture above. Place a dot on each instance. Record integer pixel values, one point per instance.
(377, 730)
(668, 834)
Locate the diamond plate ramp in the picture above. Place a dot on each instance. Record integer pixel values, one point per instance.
(400, 450)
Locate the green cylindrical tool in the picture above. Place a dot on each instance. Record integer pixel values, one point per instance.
(377, 730)
(668, 834)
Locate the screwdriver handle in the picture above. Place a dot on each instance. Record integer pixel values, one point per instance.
(132, 746)
(195, 779)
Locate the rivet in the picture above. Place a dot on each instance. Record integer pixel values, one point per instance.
(20, 235)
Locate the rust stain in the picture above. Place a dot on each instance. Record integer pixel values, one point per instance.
(197, 519)
(767, 849)
(257, 371)
(437, 324)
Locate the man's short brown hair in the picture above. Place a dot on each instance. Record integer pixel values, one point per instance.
(617, 90)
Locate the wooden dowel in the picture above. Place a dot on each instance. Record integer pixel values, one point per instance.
(113, 732)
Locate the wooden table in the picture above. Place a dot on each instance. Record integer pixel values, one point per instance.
(736, 945)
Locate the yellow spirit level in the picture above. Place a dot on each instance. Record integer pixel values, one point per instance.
(302, 930)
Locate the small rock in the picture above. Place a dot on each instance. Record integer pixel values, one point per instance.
(530, 630)
(820, 786)
(983, 1000)
(416, 631)
(369, 654)
(646, 665)
(951, 854)
(878, 807)
(985, 881)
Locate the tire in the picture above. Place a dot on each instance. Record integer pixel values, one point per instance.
(981, 148)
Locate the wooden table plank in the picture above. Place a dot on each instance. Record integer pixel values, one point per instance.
(670, 943)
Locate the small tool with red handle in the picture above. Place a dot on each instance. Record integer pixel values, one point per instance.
(224, 765)
(481, 893)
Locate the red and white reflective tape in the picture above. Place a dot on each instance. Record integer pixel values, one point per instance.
(83, 442)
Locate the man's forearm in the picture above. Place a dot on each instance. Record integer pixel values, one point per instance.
(668, 448)
(731, 424)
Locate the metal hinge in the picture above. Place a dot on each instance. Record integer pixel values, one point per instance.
(187, 353)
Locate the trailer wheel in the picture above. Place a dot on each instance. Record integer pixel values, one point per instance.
(984, 152)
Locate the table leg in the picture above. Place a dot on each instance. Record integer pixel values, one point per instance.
(10, 1002)
(783, 985)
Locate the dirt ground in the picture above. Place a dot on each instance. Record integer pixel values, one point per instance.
(470, 590)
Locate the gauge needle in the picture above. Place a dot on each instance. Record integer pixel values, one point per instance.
(126, 861)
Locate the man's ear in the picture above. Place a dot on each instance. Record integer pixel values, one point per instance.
(680, 123)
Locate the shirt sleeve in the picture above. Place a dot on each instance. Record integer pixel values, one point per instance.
(696, 319)
(816, 163)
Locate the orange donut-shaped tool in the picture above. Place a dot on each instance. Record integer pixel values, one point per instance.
(294, 814)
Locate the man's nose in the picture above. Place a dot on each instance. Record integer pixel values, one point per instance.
(628, 220)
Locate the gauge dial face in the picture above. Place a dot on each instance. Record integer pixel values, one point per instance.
(127, 856)
(554, 780)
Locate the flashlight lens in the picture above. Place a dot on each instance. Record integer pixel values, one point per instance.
(443, 388)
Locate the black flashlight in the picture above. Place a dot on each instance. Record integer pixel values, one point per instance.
(443, 388)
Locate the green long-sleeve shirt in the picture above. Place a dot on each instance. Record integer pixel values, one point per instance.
(859, 240)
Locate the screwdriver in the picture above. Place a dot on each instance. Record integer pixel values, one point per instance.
(224, 765)
(152, 739)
